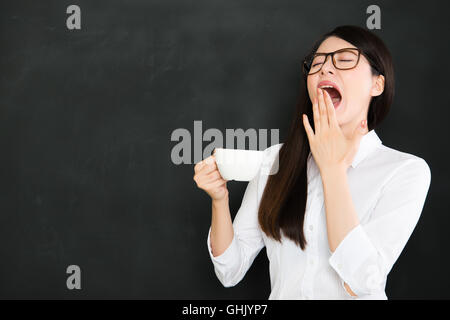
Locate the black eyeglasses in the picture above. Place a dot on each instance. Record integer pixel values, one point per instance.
(343, 59)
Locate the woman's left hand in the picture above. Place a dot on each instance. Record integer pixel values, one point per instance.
(329, 146)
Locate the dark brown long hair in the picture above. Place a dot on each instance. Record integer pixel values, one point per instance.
(283, 202)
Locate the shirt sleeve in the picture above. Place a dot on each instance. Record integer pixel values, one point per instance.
(231, 266)
(367, 253)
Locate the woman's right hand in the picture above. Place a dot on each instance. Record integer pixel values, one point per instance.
(208, 178)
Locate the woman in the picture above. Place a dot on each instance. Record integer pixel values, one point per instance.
(340, 209)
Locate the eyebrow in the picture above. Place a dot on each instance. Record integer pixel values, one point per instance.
(335, 50)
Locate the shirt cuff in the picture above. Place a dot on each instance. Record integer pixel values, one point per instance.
(228, 257)
(351, 254)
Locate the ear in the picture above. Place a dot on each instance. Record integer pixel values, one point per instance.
(378, 86)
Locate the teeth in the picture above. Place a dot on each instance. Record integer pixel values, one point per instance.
(326, 86)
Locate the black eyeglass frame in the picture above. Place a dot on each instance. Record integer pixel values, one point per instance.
(306, 65)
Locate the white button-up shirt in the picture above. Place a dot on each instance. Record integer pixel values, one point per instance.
(388, 189)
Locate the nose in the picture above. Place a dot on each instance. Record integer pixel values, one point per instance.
(328, 65)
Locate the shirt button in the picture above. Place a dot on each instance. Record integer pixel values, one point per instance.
(311, 262)
(311, 227)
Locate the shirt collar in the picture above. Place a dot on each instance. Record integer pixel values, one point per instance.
(368, 143)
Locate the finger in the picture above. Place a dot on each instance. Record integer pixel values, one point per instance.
(330, 110)
(308, 129)
(213, 176)
(210, 165)
(323, 111)
(205, 180)
(199, 165)
(316, 116)
(215, 184)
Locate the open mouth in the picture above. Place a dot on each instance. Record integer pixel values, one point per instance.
(335, 95)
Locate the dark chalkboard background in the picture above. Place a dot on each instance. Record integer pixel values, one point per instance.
(86, 117)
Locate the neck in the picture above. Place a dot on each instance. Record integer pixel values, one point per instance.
(348, 128)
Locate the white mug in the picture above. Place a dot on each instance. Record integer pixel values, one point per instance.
(239, 165)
